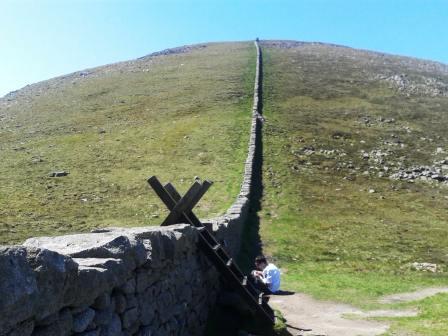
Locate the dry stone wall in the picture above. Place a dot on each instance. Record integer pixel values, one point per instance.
(229, 227)
(119, 281)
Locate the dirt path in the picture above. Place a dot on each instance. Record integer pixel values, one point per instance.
(327, 318)
(413, 296)
(324, 318)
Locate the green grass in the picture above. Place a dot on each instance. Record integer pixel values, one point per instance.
(175, 116)
(188, 114)
(432, 318)
(332, 238)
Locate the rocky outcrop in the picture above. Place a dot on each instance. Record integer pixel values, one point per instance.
(416, 85)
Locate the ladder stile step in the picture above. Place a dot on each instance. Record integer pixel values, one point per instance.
(208, 236)
(223, 254)
(181, 210)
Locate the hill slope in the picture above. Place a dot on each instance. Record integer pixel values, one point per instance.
(175, 114)
(355, 173)
(355, 159)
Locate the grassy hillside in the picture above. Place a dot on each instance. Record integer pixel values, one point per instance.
(341, 126)
(355, 167)
(177, 114)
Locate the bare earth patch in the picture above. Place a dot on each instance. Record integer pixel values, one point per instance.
(323, 317)
(413, 296)
(326, 318)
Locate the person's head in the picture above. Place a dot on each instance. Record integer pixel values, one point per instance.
(261, 262)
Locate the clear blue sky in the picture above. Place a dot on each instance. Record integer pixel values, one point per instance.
(41, 39)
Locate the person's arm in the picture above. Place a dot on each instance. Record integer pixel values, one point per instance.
(267, 278)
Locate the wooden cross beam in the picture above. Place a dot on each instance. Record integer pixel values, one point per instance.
(180, 207)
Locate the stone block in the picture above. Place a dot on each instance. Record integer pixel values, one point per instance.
(120, 302)
(22, 329)
(143, 281)
(131, 301)
(147, 307)
(32, 283)
(102, 302)
(82, 320)
(145, 331)
(95, 276)
(128, 287)
(95, 332)
(103, 317)
(61, 327)
(129, 317)
(114, 328)
(115, 245)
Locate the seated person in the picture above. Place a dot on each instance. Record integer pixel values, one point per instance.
(266, 276)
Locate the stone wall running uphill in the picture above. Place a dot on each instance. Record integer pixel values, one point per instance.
(120, 281)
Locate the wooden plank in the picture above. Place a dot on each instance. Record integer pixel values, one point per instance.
(161, 192)
(184, 204)
(176, 196)
(166, 198)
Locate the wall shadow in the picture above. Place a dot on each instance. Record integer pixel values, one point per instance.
(251, 244)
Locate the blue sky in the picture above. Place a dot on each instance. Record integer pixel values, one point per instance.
(41, 39)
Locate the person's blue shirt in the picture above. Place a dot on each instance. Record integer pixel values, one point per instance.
(271, 277)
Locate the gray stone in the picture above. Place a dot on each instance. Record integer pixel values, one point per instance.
(128, 287)
(102, 302)
(143, 281)
(48, 330)
(162, 243)
(114, 245)
(174, 325)
(59, 173)
(103, 317)
(95, 332)
(145, 331)
(120, 302)
(424, 266)
(147, 305)
(108, 262)
(129, 317)
(48, 320)
(132, 330)
(82, 320)
(61, 327)
(95, 276)
(113, 328)
(147, 313)
(32, 283)
(18, 286)
(79, 309)
(23, 329)
(131, 301)
(65, 320)
(186, 293)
